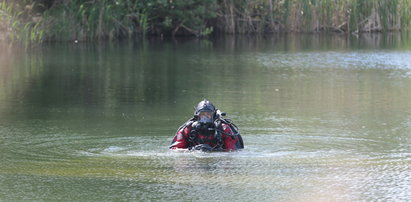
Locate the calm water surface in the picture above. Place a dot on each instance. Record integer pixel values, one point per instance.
(324, 118)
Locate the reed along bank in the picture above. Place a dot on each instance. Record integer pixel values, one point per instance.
(35, 21)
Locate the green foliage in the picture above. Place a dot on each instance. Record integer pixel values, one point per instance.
(33, 21)
(19, 26)
(169, 17)
(80, 20)
(85, 20)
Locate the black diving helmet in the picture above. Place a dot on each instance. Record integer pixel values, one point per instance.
(205, 112)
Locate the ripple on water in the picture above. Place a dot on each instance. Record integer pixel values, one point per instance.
(363, 59)
(259, 171)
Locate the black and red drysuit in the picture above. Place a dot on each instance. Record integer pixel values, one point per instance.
(187, 138)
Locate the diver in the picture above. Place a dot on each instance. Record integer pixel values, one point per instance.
(208, 131)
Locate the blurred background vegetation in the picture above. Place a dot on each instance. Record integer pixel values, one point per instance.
(35, 21)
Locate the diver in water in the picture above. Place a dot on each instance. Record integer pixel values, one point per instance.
(208, 131)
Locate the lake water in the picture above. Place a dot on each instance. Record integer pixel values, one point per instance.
(323, 118)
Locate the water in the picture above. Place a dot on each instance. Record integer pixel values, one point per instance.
(324, 118)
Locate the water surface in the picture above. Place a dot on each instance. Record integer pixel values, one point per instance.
(322, 117)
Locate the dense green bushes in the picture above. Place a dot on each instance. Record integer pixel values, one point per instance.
(38, 20)
(83, 20)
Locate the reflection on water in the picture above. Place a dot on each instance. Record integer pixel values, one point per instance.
(323, 118)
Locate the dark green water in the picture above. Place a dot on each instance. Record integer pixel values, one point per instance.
(322, 117)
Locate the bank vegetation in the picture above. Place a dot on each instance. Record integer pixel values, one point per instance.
(35, 21)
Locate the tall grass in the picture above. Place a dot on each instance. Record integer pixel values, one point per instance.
(313, 15)
(105, 19)
(85, 20)
(88, 20)
(17, 25)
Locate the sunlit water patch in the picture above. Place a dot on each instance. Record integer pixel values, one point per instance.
(331, 59)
